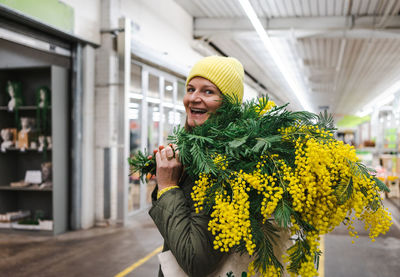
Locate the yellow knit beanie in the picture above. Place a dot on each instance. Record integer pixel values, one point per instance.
(226, 73)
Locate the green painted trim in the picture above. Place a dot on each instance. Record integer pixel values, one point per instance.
(349, 121)
(363, 152)
(52, 12)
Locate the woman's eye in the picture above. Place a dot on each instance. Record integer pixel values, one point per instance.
(209, 92)
(190, 90)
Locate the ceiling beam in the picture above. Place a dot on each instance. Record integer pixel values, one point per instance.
(242, 26)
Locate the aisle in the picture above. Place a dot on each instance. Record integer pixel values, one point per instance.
(363, 258)
(110, 251)
(95, 252)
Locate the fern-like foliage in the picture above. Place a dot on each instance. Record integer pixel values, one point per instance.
(298, 253)
(265, 236)
(344, 190)
(143, 164)
(381, 185)
(283, 213)
(326, 121)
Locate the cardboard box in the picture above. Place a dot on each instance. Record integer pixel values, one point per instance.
(394, 187)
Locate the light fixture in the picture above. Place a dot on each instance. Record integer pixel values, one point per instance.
(382, 99)
(283, 65)
(364, 112)
(169, 88)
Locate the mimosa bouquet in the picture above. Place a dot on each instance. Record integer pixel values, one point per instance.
(258, 166)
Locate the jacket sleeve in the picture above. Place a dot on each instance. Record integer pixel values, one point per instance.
(186, 233)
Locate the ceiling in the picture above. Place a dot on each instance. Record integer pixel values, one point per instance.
(344, 53)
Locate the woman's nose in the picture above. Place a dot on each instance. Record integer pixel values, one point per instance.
(195, 96)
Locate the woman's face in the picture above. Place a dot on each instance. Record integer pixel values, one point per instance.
(202, 98)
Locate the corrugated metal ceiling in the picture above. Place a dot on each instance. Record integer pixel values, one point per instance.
(291, 8)
(345, 51)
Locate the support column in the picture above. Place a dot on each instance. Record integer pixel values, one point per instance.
(106, 107)
(124, 55)
(88, 140)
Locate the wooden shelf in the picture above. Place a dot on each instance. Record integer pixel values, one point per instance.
(9, 188)
(26, 150)
(21, 108)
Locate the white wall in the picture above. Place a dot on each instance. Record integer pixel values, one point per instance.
(86, 19)
(165, 29)
(160, 26)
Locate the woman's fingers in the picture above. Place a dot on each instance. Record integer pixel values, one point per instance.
(168, 153)
(158, 157)
(163, 154)
(169, 168)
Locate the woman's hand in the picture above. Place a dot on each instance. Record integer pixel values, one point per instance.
(169, 168)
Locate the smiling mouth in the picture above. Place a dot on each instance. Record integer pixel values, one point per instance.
(197, 111)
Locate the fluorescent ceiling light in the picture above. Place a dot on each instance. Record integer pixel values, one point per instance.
(364, 112)
(382, 99)
(283, 65)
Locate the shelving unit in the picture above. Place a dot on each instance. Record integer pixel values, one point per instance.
(13, 149)
(22, 108)
(51, 201)
(25, 188)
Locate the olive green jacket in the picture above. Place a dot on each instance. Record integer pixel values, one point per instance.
(184, 231)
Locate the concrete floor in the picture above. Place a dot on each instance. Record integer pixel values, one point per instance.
(94, 252)
(364, 258)
(108, 251)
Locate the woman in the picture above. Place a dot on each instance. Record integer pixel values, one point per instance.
(185, 232)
